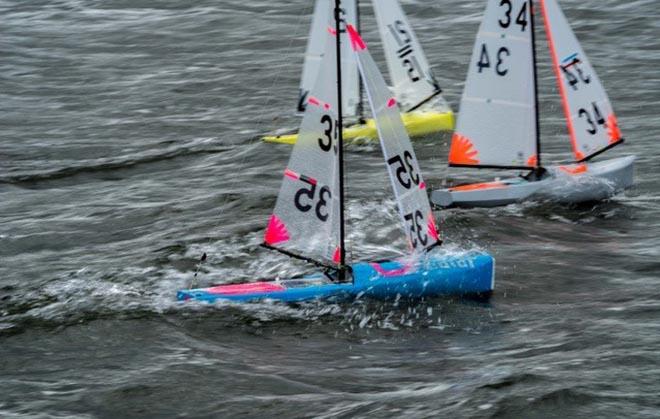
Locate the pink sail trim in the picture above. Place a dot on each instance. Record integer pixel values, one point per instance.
(432, 229)
(291, 174)
(313, 101)
(249, 288)
(336, 257)
(332, 30)
(391, 272)
(422, 185)
(276, 231)
(391, 102)
(356, 40)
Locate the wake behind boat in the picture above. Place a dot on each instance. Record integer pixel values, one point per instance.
(415, 88)
(308, 220)
(498, 126)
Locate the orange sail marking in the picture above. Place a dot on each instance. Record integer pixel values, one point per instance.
(478, 186)
(574, 169)
(532, 160)
(462, 150)
(613, 129)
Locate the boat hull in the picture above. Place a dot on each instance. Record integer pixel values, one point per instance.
(468, 274)
(567, 184)
(417, 123)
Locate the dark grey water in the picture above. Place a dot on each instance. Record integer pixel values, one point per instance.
(126, 151)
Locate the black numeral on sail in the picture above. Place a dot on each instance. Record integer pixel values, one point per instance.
(330, 133)
(405, 172)
(521, 18)
(484, 60)
(571, 69)
(593, 120)
(323, 199)
(406, 53)
(417, 234)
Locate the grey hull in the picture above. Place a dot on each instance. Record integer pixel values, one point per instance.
(565, 184)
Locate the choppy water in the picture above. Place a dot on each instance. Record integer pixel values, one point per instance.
(126, 151)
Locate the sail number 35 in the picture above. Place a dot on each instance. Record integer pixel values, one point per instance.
(415, 224)
(309, 193)
(405, 171)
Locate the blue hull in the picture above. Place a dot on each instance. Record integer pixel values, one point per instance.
(434, 275)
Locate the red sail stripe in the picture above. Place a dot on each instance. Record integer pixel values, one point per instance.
(356, 40)
(291, 174)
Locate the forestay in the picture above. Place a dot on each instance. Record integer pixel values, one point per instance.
(324, 18)
(592, 124)
(306, 216)
(411, 76)
(497, 121)
(406, 178)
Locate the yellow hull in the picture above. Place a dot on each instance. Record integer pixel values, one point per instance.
(416, 123)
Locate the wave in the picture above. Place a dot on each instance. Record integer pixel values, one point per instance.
(32, 179)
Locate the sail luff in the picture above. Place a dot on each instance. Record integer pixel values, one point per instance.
(532, 13)
(562, 89)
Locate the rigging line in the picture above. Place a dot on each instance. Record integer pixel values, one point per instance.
(424, 101)
(297, 256)
(360, 109)
(532, 14)
(253, 142)
(342, 248)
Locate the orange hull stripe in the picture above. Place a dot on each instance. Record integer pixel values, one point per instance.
(574, 170)
(479, 186)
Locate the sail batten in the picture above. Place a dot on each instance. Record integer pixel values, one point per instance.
(590, 118)
(402, 166)
(496, 126)
(411, 76)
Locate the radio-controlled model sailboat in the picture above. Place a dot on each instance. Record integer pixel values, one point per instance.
(308, 220)
(498, 124)
(415, 88)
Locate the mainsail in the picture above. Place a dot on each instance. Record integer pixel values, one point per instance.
(306, 216)
(411, 76)
(496, 125)
(402, 166)
(323, 18)
(592, 124)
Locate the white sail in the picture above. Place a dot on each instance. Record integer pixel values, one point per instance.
(306, 216)
(497, 121)
(410, 74)
(402, 166)
(592, 124)
(322, 20)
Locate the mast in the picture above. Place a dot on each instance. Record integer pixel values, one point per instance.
(360, 108)
(539, 168)
(340, 142)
